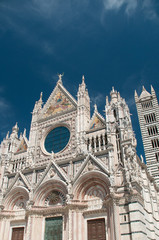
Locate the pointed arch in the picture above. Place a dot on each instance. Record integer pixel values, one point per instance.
(89, 183)
(16, 198)
(45, 189)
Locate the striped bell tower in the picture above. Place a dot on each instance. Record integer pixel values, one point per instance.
(148, 114)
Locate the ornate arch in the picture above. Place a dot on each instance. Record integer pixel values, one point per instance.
(16, 199)
(51, 192)
(94, 184)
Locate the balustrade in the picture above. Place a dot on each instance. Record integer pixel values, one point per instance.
(97, 143)
(18, 164)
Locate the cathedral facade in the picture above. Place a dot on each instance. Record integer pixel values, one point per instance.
(77, 177)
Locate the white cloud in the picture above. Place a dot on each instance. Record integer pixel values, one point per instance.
(130, 5)
(149, 10)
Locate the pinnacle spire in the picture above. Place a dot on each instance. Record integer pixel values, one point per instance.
(15, 127)
(83, 79)
(95, 107)
(107, 101)
(24, 133)
(41, 95)
(7, 136)
(143, 88)
(152, 90)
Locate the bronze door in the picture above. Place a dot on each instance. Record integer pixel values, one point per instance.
(96, 229)
(18, 233)
(53, 228)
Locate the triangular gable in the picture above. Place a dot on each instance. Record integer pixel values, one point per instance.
(20, 180)
(53, 171)
(22, 146)
(60, 101)
(97, 121)
(91, 163)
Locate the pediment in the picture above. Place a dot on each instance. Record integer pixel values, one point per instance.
(59, 102)
(53, 171)
(19, 181)
(91, 163)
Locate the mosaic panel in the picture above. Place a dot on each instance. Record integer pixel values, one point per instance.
(60, 103)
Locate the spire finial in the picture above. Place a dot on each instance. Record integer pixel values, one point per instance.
(143, 88)
(112, 89)
(41, 95)
(83, 79)
(24, 133)
(152, 90)
(16, 125)
(15, 128)
(7, 136)
(107, 100)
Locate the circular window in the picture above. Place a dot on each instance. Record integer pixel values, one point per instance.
(57, 139)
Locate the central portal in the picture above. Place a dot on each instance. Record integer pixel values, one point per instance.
(53, 228)
(96, 229)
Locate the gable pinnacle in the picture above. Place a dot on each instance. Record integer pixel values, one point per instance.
(95, 107)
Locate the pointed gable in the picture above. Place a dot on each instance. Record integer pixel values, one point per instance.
(60, 101)
(96, 123)
(53, 171)
(145, 94)
(91, 163)
(22, 146)
(19, 181)
(97, 120)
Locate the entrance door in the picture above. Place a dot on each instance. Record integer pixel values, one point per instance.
(17, 233)
(53, 228)
(96, 229)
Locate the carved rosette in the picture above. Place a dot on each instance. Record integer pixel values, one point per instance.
(55, 198)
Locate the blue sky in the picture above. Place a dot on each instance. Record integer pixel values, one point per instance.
(112, 42)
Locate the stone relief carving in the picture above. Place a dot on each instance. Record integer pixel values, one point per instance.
(55, 198)
(51, 173)
(20, 204)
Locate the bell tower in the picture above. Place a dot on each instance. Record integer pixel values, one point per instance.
(148, 114)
